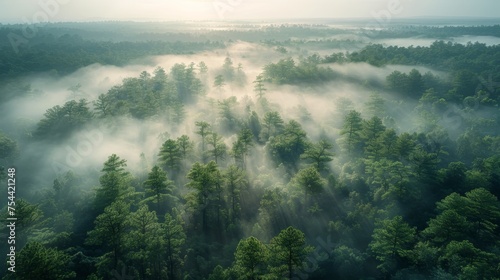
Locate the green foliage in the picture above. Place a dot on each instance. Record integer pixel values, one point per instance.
(204, 179)
(234, 179)
(35, 260)
(464, 259)
(259, 87)
(255, 125)
(288, 252)
(287, 146)
(375, 107)
(219, 273)
(410, 84)
(351, 131)
(61, 121)
(310, 181)
(110, 229)
(204, 129)
(272, 124)
(319, 154)
(242, 145)
(8, 147)
(185, 146)
(219, 82)
(187, 85)
(227, 112)
(174, 239)
(286, 71)
(203, 68)
(228, 69)
(250, 258)
(392, 179)
(114, 183)
(158, 188)
(218, 148)
(396, 158)
(447, 226)
(392, 242)
(170, 155)
(142, 242)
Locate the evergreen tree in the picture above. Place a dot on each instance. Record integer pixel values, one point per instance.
(110, 229)
(203, 179)
(351, 131)
(250, 259)
(204, 130)
(273, 124)
(185, 146)
(143, 242)
(170, 155)
(174, 237)
(219, 82)
(114, 183)
(259, 88)
(242, 145)
(234, 178)
(219, 148)
(392, 242)
(290, 144)
(158, 188)
(320, 154)
(288, 251)
(34, 260)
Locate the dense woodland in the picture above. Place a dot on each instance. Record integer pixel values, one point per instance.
(400, 181)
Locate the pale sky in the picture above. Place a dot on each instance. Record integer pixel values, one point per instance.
(19, 11)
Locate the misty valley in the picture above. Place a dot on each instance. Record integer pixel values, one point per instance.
(251, 150)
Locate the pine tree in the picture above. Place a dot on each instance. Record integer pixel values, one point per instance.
(115, 183)
(219, 148)
(110, 228)
(234, 178)
(320, 154)
(392, 241)
(351, 131)
(174, 236)
(204, 131)
(289, 250)
(259, 88)
(34, 260)
(158, 188)
(170, 155)
(143, 241)
(250, 258)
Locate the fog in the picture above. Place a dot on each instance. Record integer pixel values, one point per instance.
(425, 42)
(128, 137)
(241, 10)
(315, 127)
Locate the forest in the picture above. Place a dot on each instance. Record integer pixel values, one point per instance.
(253, 151)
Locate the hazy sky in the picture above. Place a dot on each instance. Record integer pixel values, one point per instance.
(12, 11)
